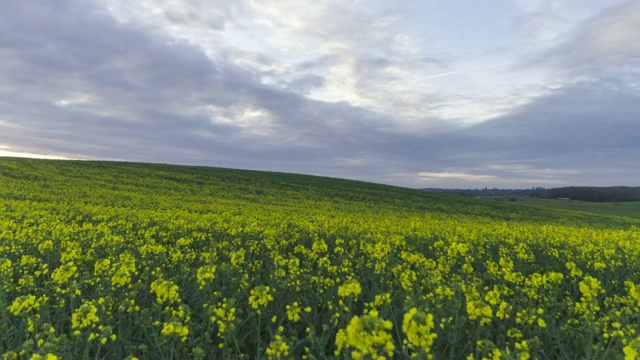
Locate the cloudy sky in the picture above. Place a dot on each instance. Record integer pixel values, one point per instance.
(417, 93)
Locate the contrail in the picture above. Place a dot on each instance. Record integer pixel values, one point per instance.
(462, 71)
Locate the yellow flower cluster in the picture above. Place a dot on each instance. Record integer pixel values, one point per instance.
(47, 356)
(175, 328)
(224, 315)
(480, 310)
(260, 297)
(205, 274)
(278, 348)
(366, 336)
(64, 273)
(418, 327)
(166, 291)
(632, 350)
(23, 304)
(85, 316)
(293, 311)
(350, 288)
(125, 268)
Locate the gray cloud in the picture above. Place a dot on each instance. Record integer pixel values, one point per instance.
(77, 81)
(607, 42)
(77, 91)
(583, 132)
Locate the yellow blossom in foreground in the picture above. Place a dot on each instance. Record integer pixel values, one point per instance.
(632, 351)
(366, 336)
(417, 326)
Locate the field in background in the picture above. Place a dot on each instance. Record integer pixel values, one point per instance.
(124, 260)
(628, 209)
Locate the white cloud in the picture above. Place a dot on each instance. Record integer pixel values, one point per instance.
(7, 151)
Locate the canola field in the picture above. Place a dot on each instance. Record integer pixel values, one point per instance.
(102, 260)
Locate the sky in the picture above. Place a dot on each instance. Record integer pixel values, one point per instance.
(415, 93)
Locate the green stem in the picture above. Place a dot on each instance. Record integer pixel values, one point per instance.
(258, 338)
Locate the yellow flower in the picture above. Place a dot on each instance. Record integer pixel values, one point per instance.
(590, 287)
(23, 304)
(382, 299)
(101, 266)
(350, 288)
(224, 315)
(205, 273)
(125, 268)
(175, 328)
(407, 278)
(481, 310)
(64, 273)
(514, 333)
(260, 297)
(418, 327)
(367, 336)
(523, 350)
(493, 296)
(293, 311)
(632, 351)
(166, 291)
(44, 246)
(85, 316)
(278, 348)
(496, 354)
(5, 265)
(49, 356)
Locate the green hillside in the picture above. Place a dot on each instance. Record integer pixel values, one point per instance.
(626, 208)
(163, 187)
(127, 260)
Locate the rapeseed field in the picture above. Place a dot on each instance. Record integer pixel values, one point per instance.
(103, 260)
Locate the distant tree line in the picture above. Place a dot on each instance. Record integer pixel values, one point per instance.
(533, 192)
(597, 194)
(583, 193)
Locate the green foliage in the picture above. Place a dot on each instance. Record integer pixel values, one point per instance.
(597, 194)
(628, 208)
(122, 260)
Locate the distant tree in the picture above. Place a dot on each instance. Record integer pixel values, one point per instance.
(597, 194)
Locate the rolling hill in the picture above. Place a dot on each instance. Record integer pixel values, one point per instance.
(127, 260)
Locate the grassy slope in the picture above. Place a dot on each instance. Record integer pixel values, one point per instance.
(158, 186)
(628, 209)
(303, 237)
